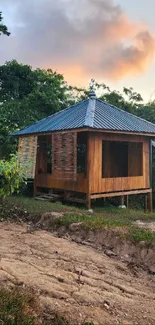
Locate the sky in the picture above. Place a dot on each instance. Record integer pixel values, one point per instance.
(112, 41)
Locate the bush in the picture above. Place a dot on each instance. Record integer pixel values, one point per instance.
(12, 175)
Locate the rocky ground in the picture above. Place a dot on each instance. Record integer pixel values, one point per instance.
(76, 281)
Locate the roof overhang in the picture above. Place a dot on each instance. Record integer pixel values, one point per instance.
(88, 129)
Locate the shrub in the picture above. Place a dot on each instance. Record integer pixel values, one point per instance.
(12, 175)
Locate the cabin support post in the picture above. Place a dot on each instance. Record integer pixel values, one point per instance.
(145, 202)
(149, 202)
(127, 201)
(34, 187)
(88, 204)
(88, 201)
(65, 195)
(122, 200)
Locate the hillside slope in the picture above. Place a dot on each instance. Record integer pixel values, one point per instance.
(76, 281)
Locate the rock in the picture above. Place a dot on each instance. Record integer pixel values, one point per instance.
(146, 225)
(125, 257)
(106, 306)
(53, 215)
(109, 253)
(75, 226)
(152, 269)
(122, 207)
(48, 218)
(91, 211)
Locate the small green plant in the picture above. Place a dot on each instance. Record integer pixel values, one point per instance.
(141, 235)
(12, 175)
(16, 308)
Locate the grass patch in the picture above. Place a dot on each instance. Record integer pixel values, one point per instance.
(35, 206)
(16, 308)
(29, 209)
(113, 216)
(138, 235)
(91, 221)
(113, 219)
(130, 215)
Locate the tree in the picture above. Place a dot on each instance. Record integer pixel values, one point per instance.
(27, 96)
(3, 28)
(128, 99)
(16, 81)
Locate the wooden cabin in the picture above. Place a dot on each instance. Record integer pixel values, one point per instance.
(89, 151)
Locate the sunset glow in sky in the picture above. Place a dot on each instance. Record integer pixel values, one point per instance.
(111, 41)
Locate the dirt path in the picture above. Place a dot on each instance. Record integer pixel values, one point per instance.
(74, 280)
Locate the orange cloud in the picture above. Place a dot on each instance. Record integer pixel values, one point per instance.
(80, 38)
(134, 59)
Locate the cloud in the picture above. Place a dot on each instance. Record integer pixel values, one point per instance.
(80, 38)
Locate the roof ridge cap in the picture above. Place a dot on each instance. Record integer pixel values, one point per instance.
(89, 118)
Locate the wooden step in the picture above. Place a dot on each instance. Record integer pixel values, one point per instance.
(49, 197)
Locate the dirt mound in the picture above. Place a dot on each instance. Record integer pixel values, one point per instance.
(48, 219)
(145, 225)
(75, 280)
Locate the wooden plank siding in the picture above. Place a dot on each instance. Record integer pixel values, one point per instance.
(102, 185)
(97, 184)
(49, 181)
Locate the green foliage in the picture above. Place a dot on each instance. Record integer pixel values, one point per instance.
(3, 28)
(27, 96)
(128, 100)
(139, 235)
(12, 175)
(93, 222)
(114, 218)
(16, 308)
(33, 206)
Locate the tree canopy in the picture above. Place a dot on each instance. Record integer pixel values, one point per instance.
(3, 28)
(28, 95)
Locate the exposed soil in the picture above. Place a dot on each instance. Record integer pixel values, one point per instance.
(76, 281)
(114, 240)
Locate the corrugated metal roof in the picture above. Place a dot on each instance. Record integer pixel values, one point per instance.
(92, 113)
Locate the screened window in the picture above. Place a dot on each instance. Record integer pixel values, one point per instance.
(122, 159)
